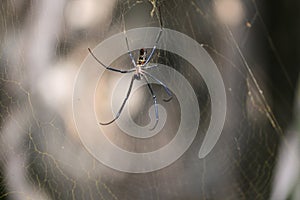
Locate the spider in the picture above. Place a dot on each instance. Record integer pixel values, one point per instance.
(139, 73)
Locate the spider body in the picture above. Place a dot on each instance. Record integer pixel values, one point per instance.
(140, 73)
(142, 58)
(140, 64)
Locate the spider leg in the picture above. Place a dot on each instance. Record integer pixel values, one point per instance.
(123, 104)
(149, 67)
(154, 47)
(110, 68)
(129, 52)
(160, 19)
(157, 39)
(154, 100)
(126, 39)
(161, 83)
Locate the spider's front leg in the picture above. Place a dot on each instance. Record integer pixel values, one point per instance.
(108, 67)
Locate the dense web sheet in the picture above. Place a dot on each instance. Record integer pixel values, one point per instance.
(253, 44)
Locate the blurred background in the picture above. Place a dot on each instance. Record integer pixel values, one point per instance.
(255, 47)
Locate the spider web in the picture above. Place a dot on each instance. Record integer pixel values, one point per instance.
(253, 43)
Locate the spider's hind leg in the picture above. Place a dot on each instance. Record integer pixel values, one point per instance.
(168, 91)
(123, 104)
(150, 66)
(154, 100)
